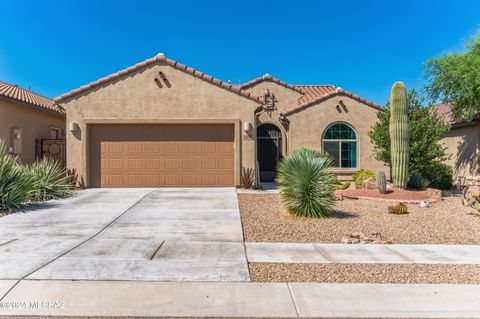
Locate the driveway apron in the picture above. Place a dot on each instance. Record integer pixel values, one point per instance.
(167, 234)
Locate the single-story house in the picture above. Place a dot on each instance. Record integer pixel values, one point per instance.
(26, 117)
(462, 142)
(162, 123)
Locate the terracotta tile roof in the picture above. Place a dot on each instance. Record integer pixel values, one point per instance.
(314, 91)
(16, 94)
(445, 111)
(160, 58)
(268, 77)
(337, 91)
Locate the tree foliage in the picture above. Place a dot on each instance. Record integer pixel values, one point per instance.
(426, 131)
(455, 78)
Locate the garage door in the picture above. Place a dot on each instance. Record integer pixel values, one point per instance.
(152, 155)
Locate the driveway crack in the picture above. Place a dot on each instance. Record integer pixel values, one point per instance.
(156, 250)
(89, 238)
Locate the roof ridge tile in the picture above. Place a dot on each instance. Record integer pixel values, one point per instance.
(160, 57)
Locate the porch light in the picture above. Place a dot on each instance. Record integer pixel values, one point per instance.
(73, 127)
(246, 127)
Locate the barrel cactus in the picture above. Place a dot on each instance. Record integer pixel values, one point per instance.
(399, 134)
(381, 182)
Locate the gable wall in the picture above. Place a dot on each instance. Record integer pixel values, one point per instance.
(308, 125)
(137, 98)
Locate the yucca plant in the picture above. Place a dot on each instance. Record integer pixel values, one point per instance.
(49, 180)
(306, 183)
(15, 184)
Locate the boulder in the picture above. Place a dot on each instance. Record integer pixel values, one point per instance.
(434, 194)
(337, 195)
(369, 183)
(471, 197)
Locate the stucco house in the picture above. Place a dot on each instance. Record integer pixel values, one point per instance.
(462, 143)
(25, 117)
(162, 123)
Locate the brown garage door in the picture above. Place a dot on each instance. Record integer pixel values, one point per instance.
(152, 155)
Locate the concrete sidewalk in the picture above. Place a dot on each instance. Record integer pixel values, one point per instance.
(362, 254)
(160, 299)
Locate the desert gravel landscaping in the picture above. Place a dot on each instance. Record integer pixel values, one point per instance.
(445, 222)
(370, 273)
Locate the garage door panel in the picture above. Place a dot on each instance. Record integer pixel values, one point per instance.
(154, 163)
(135, 163)
(224, 147)
(172, 147)
(115, 163)
(153, 155)
(114, 180)
(225, 163)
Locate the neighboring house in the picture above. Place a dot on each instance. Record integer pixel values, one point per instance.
(162, 123)
(26, 116)
(462, 142)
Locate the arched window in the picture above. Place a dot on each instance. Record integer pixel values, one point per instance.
(340, 141)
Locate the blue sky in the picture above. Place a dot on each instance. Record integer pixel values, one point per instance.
(361, 46)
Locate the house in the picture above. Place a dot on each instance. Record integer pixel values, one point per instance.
(462, 142)
(162, 123)
(26, 117)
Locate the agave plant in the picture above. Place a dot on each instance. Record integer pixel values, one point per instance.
(16, 186)
(306, 183)
(49, 180)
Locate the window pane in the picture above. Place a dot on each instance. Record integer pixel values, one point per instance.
(340, 131)
(332, 148)
(349, 154)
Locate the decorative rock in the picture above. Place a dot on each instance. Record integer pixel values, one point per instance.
(471, 197)
(434, 194)
(369, 183)
(424, 204)
(360, 238)
(337, 195)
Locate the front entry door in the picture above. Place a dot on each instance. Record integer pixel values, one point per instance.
(269, 151)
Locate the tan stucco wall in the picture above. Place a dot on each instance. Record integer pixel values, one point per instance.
(34, 124)
(137, 98)
(307, 127)
(463, 148)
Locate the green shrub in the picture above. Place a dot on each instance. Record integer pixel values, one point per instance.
(49, 180)
(439, 174)
(15, 185)
(306, 183)
(342, 186)
(417, 181)
(360, 176)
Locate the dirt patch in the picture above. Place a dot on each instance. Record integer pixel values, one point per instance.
(366, 273)
(446, 222)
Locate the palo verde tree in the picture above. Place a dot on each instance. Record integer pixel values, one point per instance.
(455, 78)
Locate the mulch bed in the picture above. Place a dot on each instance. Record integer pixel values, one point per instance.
(446, 222)
(396, 195)
(366, 273)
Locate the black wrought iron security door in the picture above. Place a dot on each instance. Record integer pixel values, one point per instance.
(269, 150)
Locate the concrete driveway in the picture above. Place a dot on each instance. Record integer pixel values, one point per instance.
(168, 234)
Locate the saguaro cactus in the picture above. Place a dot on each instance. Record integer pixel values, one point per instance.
(399, 134)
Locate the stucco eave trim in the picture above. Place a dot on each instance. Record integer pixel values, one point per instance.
(159, 58)
(337, 92)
